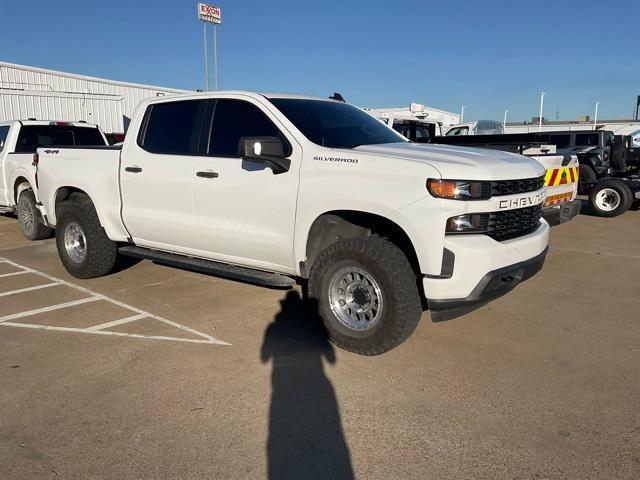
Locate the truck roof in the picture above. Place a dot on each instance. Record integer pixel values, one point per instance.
(51, 122)
(249, 93)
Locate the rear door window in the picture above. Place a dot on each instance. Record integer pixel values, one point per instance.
(4, 131)
(586, 139)
(173, 128)
(32, 137)
(402, 129)
(458, 131)
(422, 134)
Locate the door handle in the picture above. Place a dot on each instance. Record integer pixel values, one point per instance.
(133, 169)
(207, 174)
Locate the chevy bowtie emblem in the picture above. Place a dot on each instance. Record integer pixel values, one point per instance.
(52, 151)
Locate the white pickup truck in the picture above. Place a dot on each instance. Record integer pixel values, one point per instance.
(18, 143)
(273, 189)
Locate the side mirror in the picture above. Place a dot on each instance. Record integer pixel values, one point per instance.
(268, 150)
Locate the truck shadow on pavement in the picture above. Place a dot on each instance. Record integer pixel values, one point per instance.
(305, 430)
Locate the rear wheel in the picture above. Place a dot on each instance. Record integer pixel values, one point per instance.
(610, 198)
(366, 294)
(29, 218)
(83, 246)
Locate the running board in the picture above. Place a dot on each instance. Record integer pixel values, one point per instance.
(218, 269)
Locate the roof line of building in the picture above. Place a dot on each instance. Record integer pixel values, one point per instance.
(438, 110)
(93, 79)
(572, 122)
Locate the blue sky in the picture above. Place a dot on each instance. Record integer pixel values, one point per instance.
(487, 55)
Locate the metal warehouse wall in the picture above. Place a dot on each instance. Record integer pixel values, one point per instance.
(49, 95)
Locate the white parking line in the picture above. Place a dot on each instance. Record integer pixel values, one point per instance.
(50, 308)
(102, 326)
(28, 289)
(116, 334)
(92, 297)
(21, 272)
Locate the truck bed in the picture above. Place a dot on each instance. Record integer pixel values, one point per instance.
(92, 170)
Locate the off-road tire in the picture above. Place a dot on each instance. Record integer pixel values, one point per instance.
(393, 273)
(29, 218)
(626, 198)
(101, 251)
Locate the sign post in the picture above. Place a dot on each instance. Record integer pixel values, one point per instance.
(210, 14)
(206, 59)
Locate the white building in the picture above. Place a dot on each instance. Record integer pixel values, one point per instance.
(618, 127)
(30, 92)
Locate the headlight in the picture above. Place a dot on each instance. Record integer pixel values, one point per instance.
(468, 223)
(459, 189)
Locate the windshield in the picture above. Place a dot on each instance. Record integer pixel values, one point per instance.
(334, 124)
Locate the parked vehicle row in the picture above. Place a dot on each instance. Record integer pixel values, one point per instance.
(561, 177)
(608, 167)
(19, 141)
(608, 164)
(236, 184)
(279, 189)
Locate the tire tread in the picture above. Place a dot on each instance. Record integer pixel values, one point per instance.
(101, 251)
(408, 306)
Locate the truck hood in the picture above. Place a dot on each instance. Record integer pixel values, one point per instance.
(461, 163)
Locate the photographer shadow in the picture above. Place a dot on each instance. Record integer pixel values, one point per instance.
(306, 440)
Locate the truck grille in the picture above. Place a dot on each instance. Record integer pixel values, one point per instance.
(511, 187)
(513, 223)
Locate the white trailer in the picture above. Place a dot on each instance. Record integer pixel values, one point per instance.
(416, 111)
(30, 92)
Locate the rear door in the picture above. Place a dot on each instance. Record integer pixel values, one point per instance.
(157, 176)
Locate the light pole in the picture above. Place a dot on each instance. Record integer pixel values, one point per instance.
(210, 14)
(504, 122)
(542, 94)
(206, 59)
(462, 114)
(215, 52)
(595, 116)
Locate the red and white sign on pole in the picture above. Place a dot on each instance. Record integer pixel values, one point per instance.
(209, 13)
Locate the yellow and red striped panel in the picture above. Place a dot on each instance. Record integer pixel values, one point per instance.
(559, 198)
(561, 176)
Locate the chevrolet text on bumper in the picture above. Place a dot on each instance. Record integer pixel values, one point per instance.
(306, 190)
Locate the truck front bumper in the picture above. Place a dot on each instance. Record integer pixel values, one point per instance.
(484, 269)
(493, 285)
(562, 213)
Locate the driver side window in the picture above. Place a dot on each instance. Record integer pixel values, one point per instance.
(234, 119)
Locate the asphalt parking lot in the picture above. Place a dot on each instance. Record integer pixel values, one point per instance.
(155, 372)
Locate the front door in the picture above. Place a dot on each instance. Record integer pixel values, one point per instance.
(244, 213)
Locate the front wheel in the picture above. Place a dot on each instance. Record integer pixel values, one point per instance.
(29, 218)
(610, 198)
(366, 293)
(83, 246)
